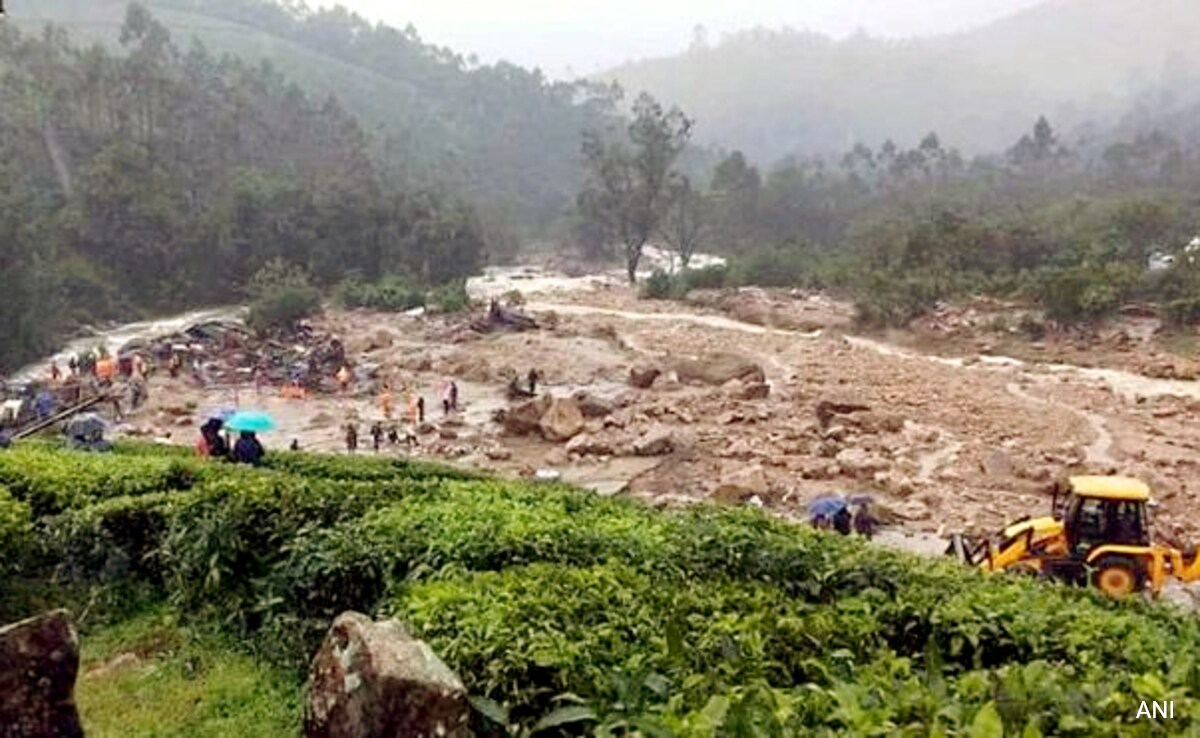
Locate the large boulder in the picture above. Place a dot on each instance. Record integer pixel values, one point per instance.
(525, 418)
(739, 485)
(592, 406)
(586, 444)
(39, 660)
(562, 421)
(374, 680)
(655, 442)
(718, 369)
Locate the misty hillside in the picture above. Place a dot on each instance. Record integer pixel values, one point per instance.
(501, 132)
(774, 93)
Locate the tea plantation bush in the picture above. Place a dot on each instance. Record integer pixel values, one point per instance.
(51, 481)
(16, 525)
(583, 615)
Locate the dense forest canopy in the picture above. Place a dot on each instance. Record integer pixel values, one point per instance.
(158, 178)
(504, 135)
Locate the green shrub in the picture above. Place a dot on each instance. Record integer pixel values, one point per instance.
(1183, 312)
(281, 296)
(699, 622)
(709, 278)
(113, 540)
(1085, 292)
(780, 266)
(364, 469)
(658, 286)
(451, 297)
(51, 481)
(16, 527)
(527, 635)
(394, 293)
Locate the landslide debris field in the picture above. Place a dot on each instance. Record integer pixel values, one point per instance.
(747, 398)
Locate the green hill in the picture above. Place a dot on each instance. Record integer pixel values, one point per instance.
(694, 623)
(503, 133)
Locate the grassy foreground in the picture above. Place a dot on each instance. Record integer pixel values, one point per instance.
(565, 613)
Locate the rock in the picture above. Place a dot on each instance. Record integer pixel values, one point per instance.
(499, 454)
(39, 660)
(859, 463)
(562, 421)
(997, 463)
(587, 444)
(718, 369)
(827, 410)
(739, 390)
(525, 418)
(592, 406)
(876, 423)
(739, 486)
(655, 442)
(818, 469)
(447, 434)
(837, 433)
(740, 449)
(643, 377)
(373, 680)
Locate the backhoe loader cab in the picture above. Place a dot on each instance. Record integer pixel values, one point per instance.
(1099, 531)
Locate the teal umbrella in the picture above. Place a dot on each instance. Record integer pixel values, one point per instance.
(250, 420)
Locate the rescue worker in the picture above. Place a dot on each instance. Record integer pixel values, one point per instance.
(386, 401)
(351, 438)
(377, 436)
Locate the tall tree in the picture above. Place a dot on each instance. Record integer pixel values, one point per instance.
(626, 192)
(684, 222)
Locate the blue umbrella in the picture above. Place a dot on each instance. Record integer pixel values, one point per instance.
(250, 420)
(826, 506)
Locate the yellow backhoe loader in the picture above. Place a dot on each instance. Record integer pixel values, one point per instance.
(1099, 532)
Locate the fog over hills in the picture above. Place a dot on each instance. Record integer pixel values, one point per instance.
(780, 92)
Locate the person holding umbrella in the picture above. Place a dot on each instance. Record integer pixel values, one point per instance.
(248, 449)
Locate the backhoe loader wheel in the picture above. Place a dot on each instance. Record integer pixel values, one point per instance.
(1118, 577)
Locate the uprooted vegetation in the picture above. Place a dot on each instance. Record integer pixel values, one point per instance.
(600, 613)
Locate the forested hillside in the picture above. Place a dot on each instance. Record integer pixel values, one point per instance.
(774, 93)
(157, 178)
(505, 135)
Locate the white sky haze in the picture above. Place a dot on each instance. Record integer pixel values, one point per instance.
(586, 37)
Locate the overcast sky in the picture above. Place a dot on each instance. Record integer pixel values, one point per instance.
(587, 36)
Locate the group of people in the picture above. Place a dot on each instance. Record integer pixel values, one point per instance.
(214, 445)
(100, 371)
